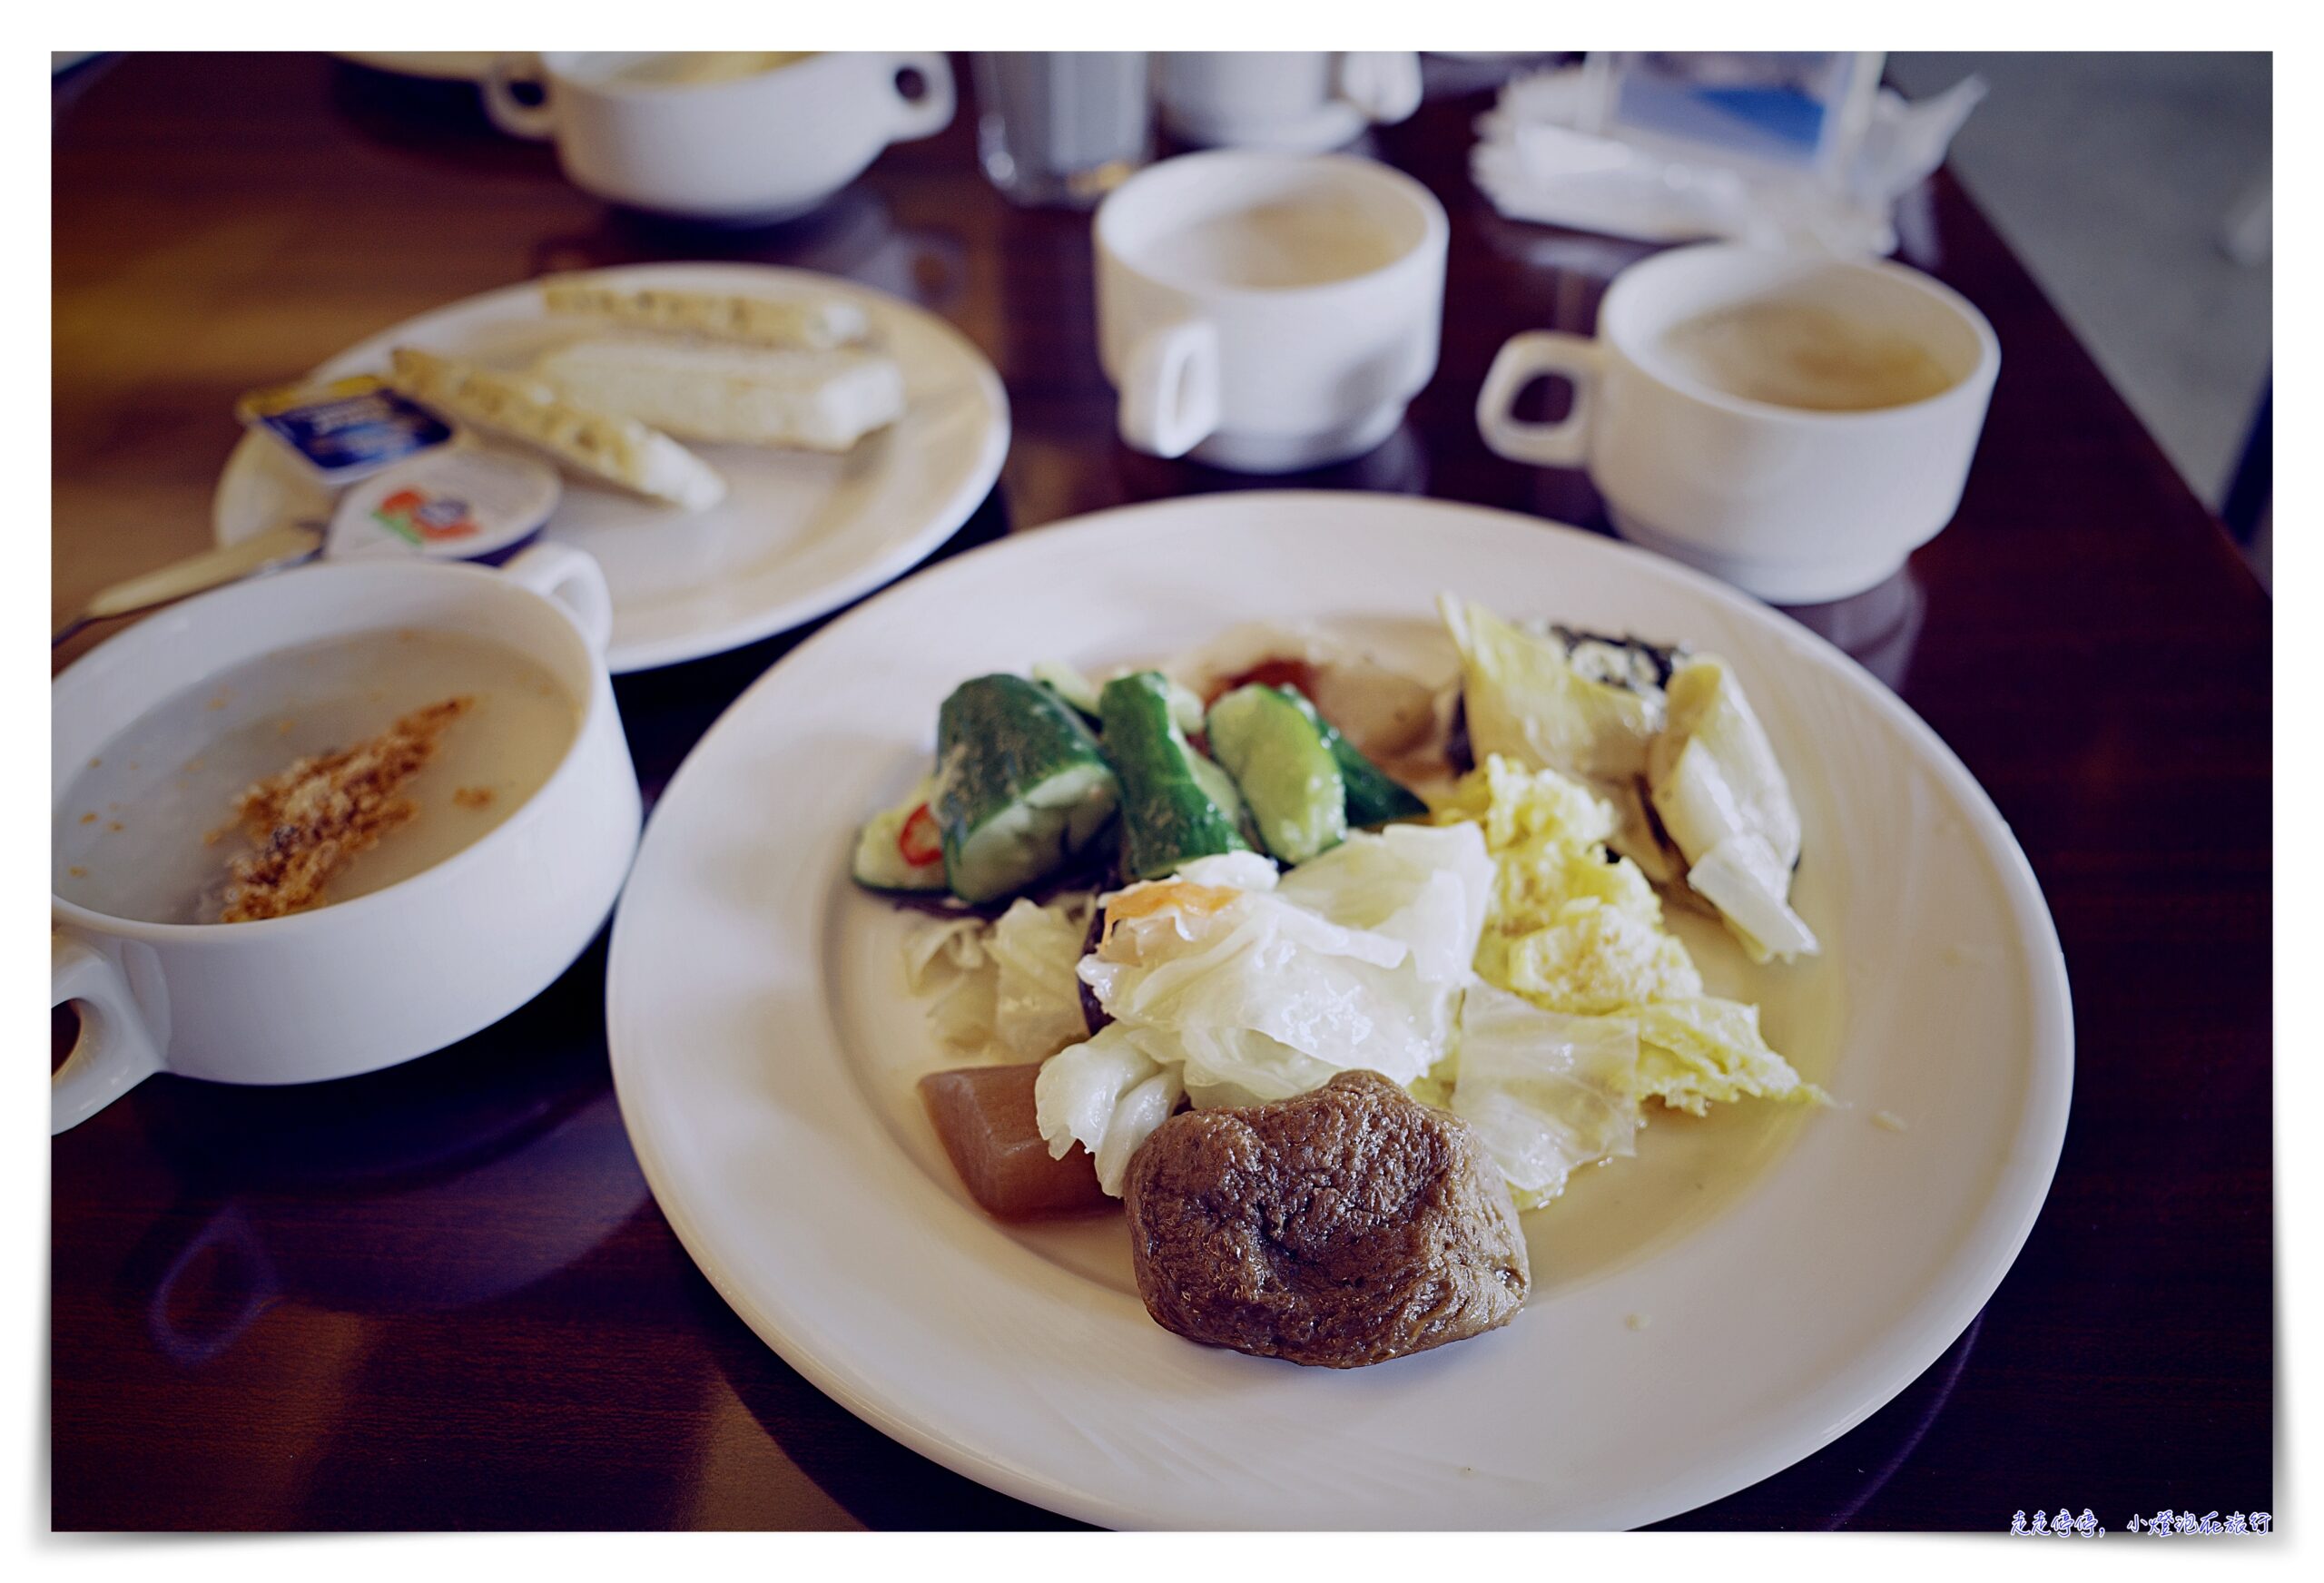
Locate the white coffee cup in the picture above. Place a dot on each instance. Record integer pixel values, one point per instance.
(1294, 101)
(1796, 504)
(753, 148)
(1267, 312)
(379, 979)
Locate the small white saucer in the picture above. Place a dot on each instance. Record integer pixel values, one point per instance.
(1333, 125)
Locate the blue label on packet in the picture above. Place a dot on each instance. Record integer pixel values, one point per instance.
(348, 428)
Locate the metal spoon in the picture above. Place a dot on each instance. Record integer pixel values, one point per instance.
(271, 551)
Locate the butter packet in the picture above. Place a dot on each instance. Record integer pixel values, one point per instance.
(344, 429)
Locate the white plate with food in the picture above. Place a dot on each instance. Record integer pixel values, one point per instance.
(1694, 1302)
(872, 428)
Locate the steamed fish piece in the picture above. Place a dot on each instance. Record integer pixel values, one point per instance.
(699, 390)
(602, 444)
(810, 323)
(1723, 799)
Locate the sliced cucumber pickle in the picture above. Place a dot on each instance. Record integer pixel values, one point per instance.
(1021, 786)
(1373, 797)
(1070, 685)
(1168, 820)
(1285, 769)
(1219, 787)
(899, 848)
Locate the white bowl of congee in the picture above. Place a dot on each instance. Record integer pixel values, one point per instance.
(321, 823)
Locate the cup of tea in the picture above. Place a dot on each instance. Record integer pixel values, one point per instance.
(1267, 312)
(190, 943)
(1793, 424)
(1295, 101)
(732, 137)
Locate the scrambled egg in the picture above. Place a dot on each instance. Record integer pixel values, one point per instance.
(1574, 929)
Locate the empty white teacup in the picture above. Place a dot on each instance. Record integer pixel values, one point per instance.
(1295, 101)
(1267, 312)
(735, 138)
(381, 977)
(1795, 425)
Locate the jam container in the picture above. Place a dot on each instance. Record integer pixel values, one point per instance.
(462, 503)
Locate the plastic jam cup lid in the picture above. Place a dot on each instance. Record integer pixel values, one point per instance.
(467, 503)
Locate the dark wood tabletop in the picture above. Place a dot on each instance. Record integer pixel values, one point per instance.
(441, 1297)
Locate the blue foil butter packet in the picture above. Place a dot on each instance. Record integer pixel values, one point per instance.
(344, 430)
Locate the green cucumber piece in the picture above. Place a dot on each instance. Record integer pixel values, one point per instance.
(1167, 818)
(1070, 685)
(1373, 798)
(1279, 758)
(1186, 704)
(880, 861)
(1219, 787)
(1021, 786)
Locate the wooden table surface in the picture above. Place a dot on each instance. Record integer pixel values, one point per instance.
(441, 1297)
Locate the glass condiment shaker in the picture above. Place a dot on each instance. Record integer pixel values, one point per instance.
(1062, 128)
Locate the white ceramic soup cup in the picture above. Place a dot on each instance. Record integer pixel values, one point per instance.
(1794, 505)
(1297, 101)
(746, 150)
(382, 977)
(1265, 378)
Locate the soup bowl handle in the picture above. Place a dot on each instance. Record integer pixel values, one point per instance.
(931, 113)
(572, 578)
(115, 1052)
(1521, 360)
(1170, 390)
(512, 116)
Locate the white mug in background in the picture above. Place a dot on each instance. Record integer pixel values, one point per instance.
(1796, 504)
(379, 979)
(1292, 101)
(1267, 312)
(719, 143)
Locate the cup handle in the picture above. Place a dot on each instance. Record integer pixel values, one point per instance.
(572, 578)
(1522, 359)
(536, 122)
(1383, 84)
(115, 1052)
(931, 113)
(1169, 397)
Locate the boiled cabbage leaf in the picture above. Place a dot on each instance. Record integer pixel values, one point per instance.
(1108, 1094)
(1242, 988)
(1545, 1093)
(1570, 925)
(1524, 698)
(1704, 1051)
(1722, 797)
(1037, 999)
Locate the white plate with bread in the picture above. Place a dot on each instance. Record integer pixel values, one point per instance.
(745, 447)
